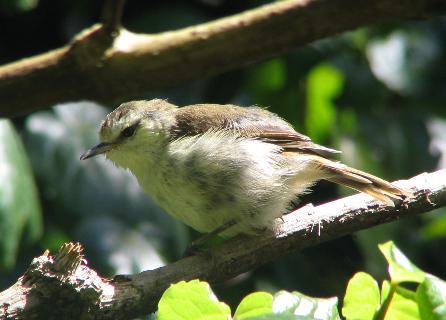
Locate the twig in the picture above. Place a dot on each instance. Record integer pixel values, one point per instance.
(45, 293)
(382, 312)
(112, 16)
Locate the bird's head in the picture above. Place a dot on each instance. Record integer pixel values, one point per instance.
(133, 129)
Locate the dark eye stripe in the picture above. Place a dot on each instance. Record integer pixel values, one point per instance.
(129, 131)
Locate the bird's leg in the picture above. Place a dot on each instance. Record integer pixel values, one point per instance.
(196, 245)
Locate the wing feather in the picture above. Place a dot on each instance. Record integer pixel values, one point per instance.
(250, 122)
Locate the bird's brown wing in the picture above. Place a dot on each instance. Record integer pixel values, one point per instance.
(250, 122)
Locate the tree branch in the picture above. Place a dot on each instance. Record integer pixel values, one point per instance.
(55, 288)
(95, 67)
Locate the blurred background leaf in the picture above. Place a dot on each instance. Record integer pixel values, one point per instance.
(324, 84)
(17, 6)
(20, 214)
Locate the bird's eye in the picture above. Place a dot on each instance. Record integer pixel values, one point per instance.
(129, 131)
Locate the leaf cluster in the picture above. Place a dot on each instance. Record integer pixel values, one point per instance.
(425, 298)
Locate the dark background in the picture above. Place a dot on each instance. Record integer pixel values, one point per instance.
(378, 94)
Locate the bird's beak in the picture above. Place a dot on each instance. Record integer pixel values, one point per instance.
(98, 149)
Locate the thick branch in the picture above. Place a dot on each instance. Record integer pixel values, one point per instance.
(95, 67)
(125, 297)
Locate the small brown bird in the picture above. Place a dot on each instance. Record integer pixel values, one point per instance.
(223, 168)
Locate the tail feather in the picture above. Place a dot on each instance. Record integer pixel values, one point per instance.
(362, 181)
(375, 191)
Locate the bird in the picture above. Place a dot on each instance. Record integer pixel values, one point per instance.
(224, 169)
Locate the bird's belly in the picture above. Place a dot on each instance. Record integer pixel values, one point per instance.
(208, 182)
(206, 204)
(188, 199)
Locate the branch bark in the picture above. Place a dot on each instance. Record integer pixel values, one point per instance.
(97, 67)
(62, 287)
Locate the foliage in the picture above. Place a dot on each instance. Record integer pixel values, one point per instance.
(19, 202)
(363, 299)
(194, 300)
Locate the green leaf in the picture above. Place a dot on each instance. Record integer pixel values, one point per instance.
(255, 304)
(324, 84)
(305, 306)
(362, 298)
(281, 316)
(191, 300)
(403, 304)
(19, 202)
(400, 267)
(431, 297)
(286, 306)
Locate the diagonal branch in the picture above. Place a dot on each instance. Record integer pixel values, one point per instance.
(76, 291)
(95, 67)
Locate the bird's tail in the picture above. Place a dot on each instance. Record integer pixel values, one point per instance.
(362, 181)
